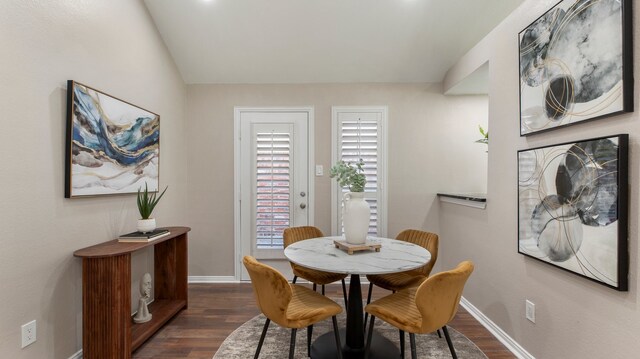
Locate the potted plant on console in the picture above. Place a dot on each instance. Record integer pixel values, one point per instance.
(355, 210)
(146, 203)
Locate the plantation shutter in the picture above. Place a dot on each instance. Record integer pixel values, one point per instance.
(273, 188)
(360, 138)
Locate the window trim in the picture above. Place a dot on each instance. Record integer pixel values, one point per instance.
(382, 164)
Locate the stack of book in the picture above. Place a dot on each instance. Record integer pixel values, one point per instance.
(144, 237)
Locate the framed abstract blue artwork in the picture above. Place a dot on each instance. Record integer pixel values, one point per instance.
(112, 146)
(576, 64)
(572, 207)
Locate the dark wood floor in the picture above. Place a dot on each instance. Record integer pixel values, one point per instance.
(216, 310)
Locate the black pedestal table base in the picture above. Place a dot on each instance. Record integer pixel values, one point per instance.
(325, 348)
(352, 338)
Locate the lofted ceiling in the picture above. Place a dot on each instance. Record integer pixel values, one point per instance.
(322, 41)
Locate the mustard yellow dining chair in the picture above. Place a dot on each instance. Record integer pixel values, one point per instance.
(295, 234)
(289, 305)
(424, 309)
(412, 278)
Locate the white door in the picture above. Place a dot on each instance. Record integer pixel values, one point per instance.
(273, 178)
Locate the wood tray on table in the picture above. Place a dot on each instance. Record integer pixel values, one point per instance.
(351, 248)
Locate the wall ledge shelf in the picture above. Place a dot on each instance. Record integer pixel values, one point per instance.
(474, 200)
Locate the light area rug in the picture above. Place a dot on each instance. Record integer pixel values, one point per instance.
(242, 343)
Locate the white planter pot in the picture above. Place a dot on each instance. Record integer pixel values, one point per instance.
(146, 225)
(355, 217)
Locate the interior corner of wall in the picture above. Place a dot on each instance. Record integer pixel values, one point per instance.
(468, 63)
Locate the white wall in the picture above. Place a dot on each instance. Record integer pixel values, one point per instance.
(419, 155)
(575, 318)
(112, 46)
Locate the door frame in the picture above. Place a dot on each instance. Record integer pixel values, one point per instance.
(237, 169)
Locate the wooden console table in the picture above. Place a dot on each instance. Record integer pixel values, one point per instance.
(108, 330)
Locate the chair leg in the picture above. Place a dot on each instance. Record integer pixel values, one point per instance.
(367, 347)
(292, 346)
(294, 279)
(344, 293)
(309, 334)
(366, 315)
(412, 341)
(336, 333)
(446, 335)
(439, 335)
(314, 287)
(323, 289)
(401, 343)
(264, 333)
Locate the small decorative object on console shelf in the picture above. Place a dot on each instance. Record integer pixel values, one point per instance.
(355, 210)
(143, 315)
(146, 203)
(144, 237)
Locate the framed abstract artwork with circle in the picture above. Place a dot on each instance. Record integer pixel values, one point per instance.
(576, 64)
(572, 207)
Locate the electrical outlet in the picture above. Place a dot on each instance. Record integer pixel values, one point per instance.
(530, 311)
(28, 333)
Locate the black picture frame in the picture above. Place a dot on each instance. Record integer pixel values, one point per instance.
(112, 146)
(573, 207)
(561, 83)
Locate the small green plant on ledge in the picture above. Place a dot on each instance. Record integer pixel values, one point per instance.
(485, 136)
(349, 176)
(147, 202)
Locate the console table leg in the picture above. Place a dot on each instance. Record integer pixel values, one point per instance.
(106, 307)
(171, 269)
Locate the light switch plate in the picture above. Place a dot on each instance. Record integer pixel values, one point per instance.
(319, 170)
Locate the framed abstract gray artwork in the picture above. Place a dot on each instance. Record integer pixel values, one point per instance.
(572, 207)
(112, 146)
(576, 64)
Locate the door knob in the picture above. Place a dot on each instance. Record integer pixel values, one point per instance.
(303, 205)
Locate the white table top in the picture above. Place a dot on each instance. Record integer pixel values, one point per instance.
(321, 254)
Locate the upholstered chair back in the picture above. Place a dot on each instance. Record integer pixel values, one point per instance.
(438, 297)
(295, 234)
(424, 239)
(271, 289)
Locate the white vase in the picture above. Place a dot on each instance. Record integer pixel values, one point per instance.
(146, 225)
(355, 217)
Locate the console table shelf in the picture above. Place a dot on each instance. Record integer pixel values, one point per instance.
(108, 330)
(163, 310)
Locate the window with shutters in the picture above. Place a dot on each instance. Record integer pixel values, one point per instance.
(360, 133)
(273, 190)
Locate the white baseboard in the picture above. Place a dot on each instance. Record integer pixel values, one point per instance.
(492, 327)
(77, 355)
(212, 279)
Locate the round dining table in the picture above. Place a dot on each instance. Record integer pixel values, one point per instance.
(321, 254)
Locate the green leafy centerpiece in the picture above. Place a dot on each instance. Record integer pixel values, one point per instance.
(349, 176)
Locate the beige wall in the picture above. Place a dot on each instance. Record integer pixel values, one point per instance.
(418, 116)
(575, 318)
(110, 45)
